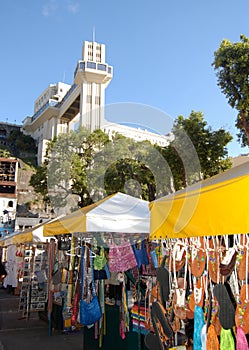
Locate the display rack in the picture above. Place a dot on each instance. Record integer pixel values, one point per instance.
(34, 289)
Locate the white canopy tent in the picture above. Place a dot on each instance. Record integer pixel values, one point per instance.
(116, 214)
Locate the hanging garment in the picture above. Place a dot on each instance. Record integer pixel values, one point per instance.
(212, 342)
(11, 268)
(121, 257)
(198, 325)
(227, 340)
(140, 254)
(241, 341)
(89, 312)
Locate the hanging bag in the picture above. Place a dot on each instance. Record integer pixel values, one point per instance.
(89, 312)
(140, 254)
(64, 243)
(121, 257)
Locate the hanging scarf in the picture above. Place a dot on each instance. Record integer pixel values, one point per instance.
(226, 340)
(198, 324)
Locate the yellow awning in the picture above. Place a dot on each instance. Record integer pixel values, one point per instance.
(216, 206)
(34, 234)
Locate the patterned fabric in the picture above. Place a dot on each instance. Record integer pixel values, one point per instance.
(139, 319)
(121, 258)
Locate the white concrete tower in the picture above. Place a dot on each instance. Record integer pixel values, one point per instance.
(93, 75)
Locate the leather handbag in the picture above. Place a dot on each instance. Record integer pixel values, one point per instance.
(89, 312)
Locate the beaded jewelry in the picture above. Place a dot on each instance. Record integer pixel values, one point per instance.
(197, 257)
(242, 309)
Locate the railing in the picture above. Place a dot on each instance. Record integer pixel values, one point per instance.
(92, 65)
(50, 103)
(72, 88)
(53, 103)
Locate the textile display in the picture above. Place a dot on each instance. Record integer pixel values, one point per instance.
(11, 268)
(121, 257)
(90, 312)
(213, 299)
(139, 318)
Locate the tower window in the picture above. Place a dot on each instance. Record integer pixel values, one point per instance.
(101, 66)
(91, 65)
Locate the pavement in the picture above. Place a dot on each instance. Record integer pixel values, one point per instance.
(17, 333)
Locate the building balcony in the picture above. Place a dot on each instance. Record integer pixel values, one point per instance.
(49, 103)
(93, 71)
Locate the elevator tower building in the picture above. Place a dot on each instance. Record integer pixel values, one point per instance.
(61, 106)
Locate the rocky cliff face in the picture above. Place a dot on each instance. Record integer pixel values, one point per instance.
(30, 204)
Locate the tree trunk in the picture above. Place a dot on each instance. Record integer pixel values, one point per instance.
(243, 124)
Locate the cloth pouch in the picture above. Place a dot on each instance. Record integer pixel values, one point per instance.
(141, 254)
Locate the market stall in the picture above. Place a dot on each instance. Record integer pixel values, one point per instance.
(34, 234)
(25, 259)
(203, 232)
(113, 232)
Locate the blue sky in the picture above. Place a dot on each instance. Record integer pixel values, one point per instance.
(162, 52)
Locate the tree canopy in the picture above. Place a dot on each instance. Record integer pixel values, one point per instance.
(90, 166)
(63, 173)
(231, 63)
(192, 134)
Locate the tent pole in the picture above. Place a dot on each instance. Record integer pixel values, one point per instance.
(139, 304)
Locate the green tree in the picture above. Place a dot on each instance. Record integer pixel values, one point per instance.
(5, 153)
(63, 172)
(21, 142)
(38, 181)
(210, 148)
(91, 166)
(231, 63)
(125, 165)
(72, 154)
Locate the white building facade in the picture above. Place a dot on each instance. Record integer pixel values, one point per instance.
(62, 107)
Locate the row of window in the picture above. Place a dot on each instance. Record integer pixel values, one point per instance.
(94, 65)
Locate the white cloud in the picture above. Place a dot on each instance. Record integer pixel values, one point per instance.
(53, 7)
(73, 6)
(50, 8)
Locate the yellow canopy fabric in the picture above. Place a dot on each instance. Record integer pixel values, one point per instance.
(120, 213)
(216, 206)
(75, 222)
(34, 234)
